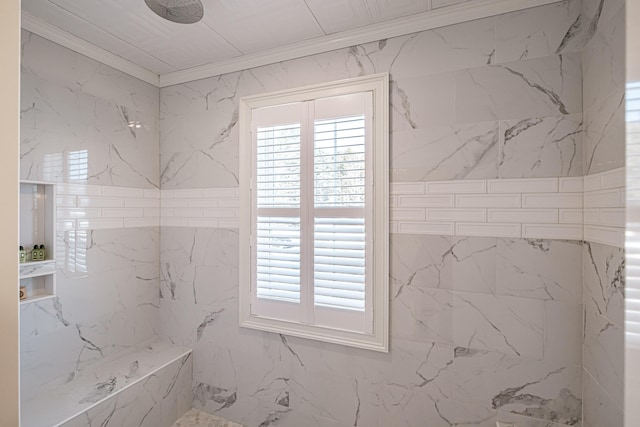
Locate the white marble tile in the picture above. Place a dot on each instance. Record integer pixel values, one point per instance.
(599, 408)
(604, 354)
(242, 409)
(604, 71)
(525, 421)
(44, 358)
(541, 31)
(407, 407)
(541, 147)
(545, 390)
(312, 392)
(440, 50)
(410, 363)
(604, 278)
(106, 284)
(604, 134)
(544, 269)
(563, 331)
(454, 263)
(445, 153)
(423, 315)
(597, 13)
(422, 102)
(537, 87)
(96, 251)
(61, 128)
(510, 325)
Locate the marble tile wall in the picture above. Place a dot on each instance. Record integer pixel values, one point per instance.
(94, 131)
(482, 328)
(603, 66)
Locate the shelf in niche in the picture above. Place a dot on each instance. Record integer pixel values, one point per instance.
(36, 298)
(37, 268)
(37, 227)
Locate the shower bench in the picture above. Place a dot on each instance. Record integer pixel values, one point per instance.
(148, 387)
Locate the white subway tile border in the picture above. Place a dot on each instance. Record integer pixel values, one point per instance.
(604, 202)
(82, 207)
(574, 208)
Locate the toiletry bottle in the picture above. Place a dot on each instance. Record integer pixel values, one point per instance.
(34, 254)
(41, 253)
(23, 255)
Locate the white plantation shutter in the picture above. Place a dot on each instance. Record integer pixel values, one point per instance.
(310, 225)
(339, 196)
(310, 212)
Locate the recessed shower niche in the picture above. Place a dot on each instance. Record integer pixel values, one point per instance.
(37, 228)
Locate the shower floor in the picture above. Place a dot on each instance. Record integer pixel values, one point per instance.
(195, 418)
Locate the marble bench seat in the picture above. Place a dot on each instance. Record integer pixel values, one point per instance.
(148, 387)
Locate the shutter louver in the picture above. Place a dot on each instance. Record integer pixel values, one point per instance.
(339, 225)
(278, 166)
(278, 258)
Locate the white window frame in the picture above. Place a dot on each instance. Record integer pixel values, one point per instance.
(378, 337)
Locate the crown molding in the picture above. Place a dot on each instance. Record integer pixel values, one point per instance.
(68, 40)
(437, 18)
(462, 12)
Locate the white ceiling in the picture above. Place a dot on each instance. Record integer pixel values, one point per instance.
(237, 34)
(230, 28)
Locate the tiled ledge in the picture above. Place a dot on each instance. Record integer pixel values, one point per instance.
(123, 390)
(574, 208)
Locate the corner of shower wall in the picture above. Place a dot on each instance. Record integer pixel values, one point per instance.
(93, 131)
(603, 60)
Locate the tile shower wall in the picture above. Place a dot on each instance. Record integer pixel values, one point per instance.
(482, 328)
(93, 130)
(603, 62)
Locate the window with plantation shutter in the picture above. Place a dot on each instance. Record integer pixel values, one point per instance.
(314, 212)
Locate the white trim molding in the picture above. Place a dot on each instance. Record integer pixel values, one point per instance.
(367, 328)
(437, 18)
(68, 40)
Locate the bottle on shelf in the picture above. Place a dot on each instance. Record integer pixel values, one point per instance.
(23, 255)
(41, 253)
(35, 253)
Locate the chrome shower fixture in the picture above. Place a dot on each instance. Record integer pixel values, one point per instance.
(180, 11)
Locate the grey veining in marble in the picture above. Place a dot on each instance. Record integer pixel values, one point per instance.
(604, 281)
(604, 134)
(84, 122)
(541, 147)
(454, 90)
(147, 387)
(107, 302)
(463, 349)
